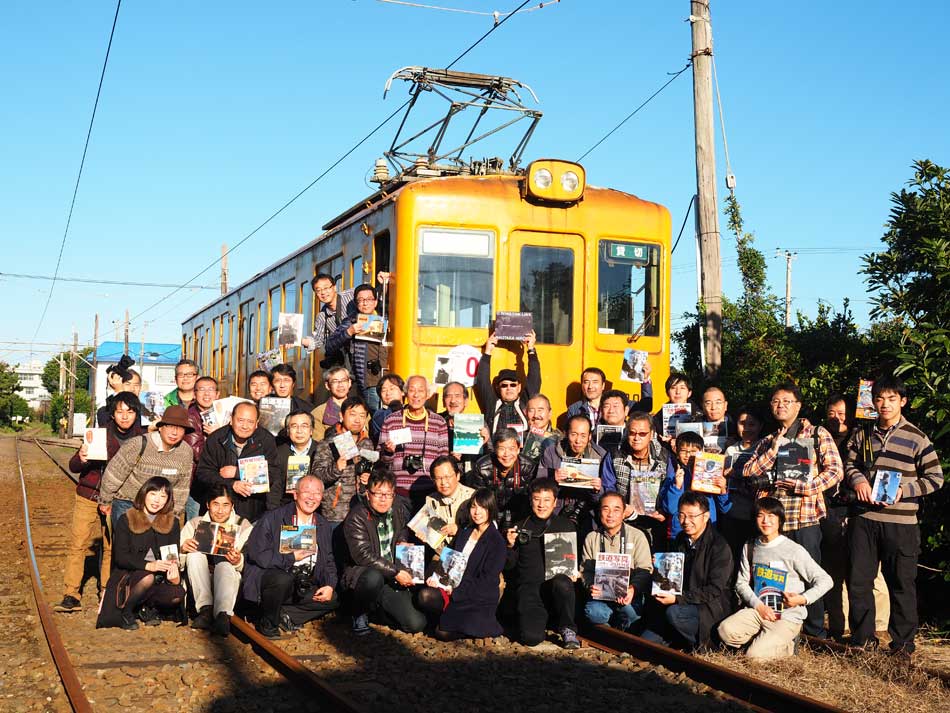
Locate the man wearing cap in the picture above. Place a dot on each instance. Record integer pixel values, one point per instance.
(504, 399)
(161, 453)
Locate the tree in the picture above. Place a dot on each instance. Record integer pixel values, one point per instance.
(50, 375)
(10, 404)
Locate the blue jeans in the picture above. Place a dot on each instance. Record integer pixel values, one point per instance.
(192, 508)
(684, 618)
(371, 398)
(119, 508)
(617, 615)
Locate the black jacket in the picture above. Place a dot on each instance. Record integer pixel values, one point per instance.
(706, 577)
(527, 560)
(511, 492)
(135, 537)
(362, 541)
(279, 484)
(219, 452)
(485, 389)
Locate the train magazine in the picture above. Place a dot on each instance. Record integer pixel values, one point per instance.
(707, 467)
(668, 573)
(298, 538)
(297, 467)
(413, 558)
(612, 575)
(214, 538)
(769, 586)
(253, 470)
(560, 554)
(273, 412)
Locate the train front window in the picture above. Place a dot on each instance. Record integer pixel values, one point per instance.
(456, 276)
(547, 291)
(628, 288)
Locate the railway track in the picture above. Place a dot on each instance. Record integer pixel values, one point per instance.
(331, 690)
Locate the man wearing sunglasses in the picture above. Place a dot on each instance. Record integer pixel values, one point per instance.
(504, 399)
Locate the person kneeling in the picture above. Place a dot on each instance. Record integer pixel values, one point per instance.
(472, 604)
(215, 579)
(772, 621)
(537, 598)
(145, 581)
(290, 571)
(620, 607)
(374, 579)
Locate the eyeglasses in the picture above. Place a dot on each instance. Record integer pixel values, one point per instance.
(336, 382)
(783, 402)
(365, 299)
(444, 478)
(717, 402)
(300, 427)
(381, 496)
(183, 374)
(640, 434)
(691, 518)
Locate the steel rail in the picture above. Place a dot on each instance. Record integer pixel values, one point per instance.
(758, 695)
(291, 668)
(71, 476)
(64, 666)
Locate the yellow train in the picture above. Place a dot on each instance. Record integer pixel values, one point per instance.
(591, 264)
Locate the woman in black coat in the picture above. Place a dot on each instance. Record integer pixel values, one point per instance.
(144, 580)
(471, 608)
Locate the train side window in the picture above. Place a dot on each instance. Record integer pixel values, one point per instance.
(547, 291)
(628, 288)
(456, 277)
(356, 272)
(274, 316)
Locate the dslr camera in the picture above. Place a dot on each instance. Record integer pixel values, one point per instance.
(524, 536)
(412, 464)
(303, 583)
(374, 367)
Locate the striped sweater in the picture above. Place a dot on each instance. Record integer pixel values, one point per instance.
(127, 472)
(903, 448)
(430, 439)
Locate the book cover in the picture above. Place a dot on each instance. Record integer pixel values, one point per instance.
(668, 573)
(886, 485)
(612, 575)
(169, 553)
(273, 412)
(371, 327)
(769, 586)
(224, 407)
(513, 326)
(95, 439)
(426, 525)
(413, 558)
(295, 538)
(253, 470)
(706, 468)
(580, 472)
(290, 329)
(715, 444)
(865, 404)
(346, 445)
(466, 433)
(208, 418)
(214, 538)
(609, 437)
(735, 464)
(691, 426)
(795, 459)
(297, 467)
(560, 554)
(269, 359)
(644, 491)
(632, 367)
(672, 415)
(449, 569)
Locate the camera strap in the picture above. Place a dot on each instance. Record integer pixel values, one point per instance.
(623, 540)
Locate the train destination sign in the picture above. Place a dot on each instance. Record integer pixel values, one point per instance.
(637, 254)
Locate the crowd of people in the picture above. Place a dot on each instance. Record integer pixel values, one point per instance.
(848, 559)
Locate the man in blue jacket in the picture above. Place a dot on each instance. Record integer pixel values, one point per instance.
(292, 587)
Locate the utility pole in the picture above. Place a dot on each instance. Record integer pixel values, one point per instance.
(125, 349)
(707, 208)
(95, 362)
(789, 256)
(224, 268)
(142, 351)
(72, 383)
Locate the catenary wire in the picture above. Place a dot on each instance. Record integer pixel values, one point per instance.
(90, 281)
(336, 163)
(82, 163)
(465, 11)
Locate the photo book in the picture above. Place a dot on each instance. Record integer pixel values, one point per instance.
(865, 404)
(346, 445)
(466, 433)
(612, 575)
(169, 553)
(631, 369)
(253, 470)
(290, 329)
(273, 412)
(449, 569)
(426, 525)
(214, 538)
(581, 472)
(886, 485)
(95, 439)
(298, 538)
(672, 415)
(706, 468)
(297, 467)
(560, 554)
(370, 327)
(769, 586)
(668, 573)
(513, 326)
(413, 558)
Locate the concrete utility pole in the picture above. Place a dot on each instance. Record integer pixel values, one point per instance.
(707, 209)
(789, 256)
(72, 383)
(125, 349)
(95, 362)
(224, 268)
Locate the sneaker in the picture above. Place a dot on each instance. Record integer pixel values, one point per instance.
(204, 618)
(900, 653)
(569, 639)
(221, 624)
(69, 604)
(128, 621)
(872, 644)
(287, 624)
(267, 630)
(361, 625)
(149, 616)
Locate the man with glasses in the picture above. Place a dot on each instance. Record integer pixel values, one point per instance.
(369, 356)
(508, 473)
(338, 381)
(450, 501)
(284, 379)
(186, 374)
(504, 399)
(796, 464)
(719, 429)
(201, 416)
(689, 618)
(374, 580)
(335, 306)
(300, 442)
(342, 473)
(541, 432)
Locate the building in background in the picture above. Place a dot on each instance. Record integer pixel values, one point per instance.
(154, 362)
(31, 387)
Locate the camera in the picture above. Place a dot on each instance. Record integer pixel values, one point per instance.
(362, 467)
(303, 583)
(524, 536)
(411, 464)
(374, 367)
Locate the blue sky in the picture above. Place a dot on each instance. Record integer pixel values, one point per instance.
(213, 114)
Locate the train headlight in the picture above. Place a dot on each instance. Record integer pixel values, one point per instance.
(554, 181)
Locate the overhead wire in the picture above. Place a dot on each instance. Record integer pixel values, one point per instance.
(634, 112)
(90, 281)
(465, 11)
(336, 163)
(82, 163)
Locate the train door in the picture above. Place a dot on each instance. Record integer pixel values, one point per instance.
(546, 278)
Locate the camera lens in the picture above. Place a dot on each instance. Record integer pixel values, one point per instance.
(524, 537)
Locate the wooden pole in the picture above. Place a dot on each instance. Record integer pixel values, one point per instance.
(707, 208)
(72, 383)
(95, 362)
(125, 350)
